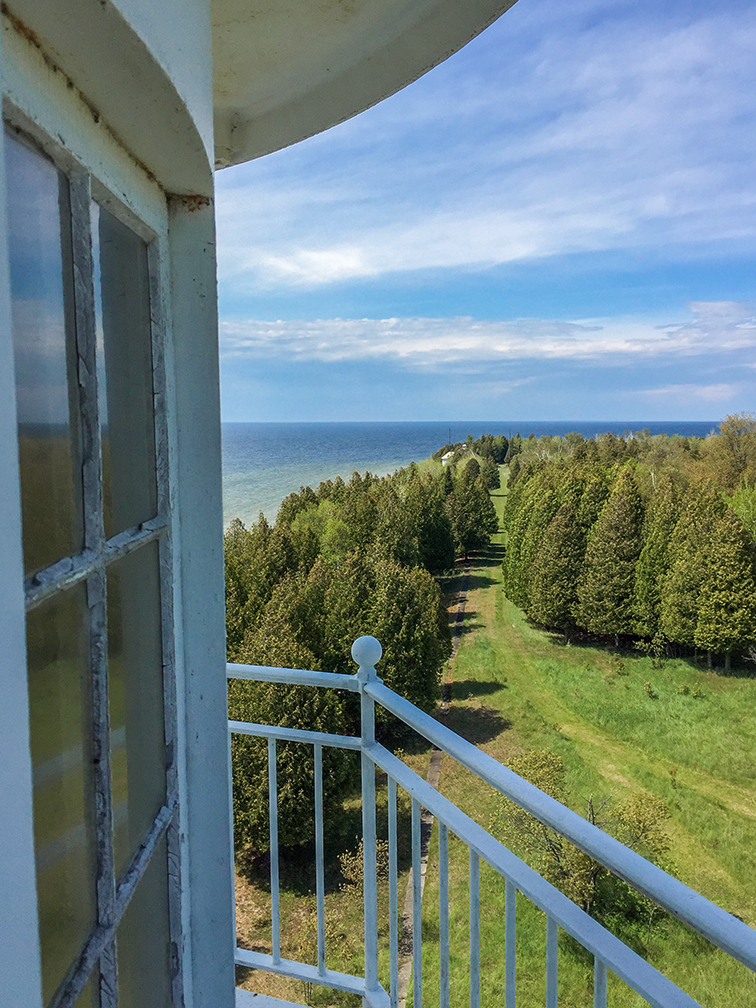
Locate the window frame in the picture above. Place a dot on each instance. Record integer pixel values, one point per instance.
(90, 565)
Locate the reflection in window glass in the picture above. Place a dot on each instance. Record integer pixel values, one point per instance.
(126, 407)
(61, 732)
(45, 356)
(143, 940)
(136, 698)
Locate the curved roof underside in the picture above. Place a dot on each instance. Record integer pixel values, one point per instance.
(284, 70)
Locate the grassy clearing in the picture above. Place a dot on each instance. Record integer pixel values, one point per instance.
(518, 688)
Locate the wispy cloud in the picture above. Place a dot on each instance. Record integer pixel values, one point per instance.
(721, 393)
(615, 129)
(716, 327)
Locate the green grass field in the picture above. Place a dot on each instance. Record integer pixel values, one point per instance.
(518, 688)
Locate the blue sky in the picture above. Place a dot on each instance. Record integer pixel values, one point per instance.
(556, 223)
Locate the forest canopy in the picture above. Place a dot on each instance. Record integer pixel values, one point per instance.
(345, 559)
(644, 536)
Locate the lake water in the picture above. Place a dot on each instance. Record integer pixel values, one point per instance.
(263, 462)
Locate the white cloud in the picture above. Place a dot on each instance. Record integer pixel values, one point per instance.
(467, 343)
(706, 393)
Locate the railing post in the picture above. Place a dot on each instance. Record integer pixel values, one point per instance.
(367, 651)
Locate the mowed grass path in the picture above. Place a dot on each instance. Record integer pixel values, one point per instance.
(518, 688)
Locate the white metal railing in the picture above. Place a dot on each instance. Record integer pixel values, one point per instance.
(609, 952)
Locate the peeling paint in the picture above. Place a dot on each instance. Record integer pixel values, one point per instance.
(193, 203)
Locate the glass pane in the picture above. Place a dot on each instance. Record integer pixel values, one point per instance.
(63, 789)
(143, 940)
(136, 698)
(126, 406)
(45, 357)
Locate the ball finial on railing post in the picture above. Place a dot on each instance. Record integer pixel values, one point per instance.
(367, 651)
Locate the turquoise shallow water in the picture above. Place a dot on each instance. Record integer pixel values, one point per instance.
(263, 462)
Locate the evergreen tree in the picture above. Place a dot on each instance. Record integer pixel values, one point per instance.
(406, 615)
(580, 451)
(360, 510)
(555, 572)
(425, 502)
(520, 503)
(395, 531)
(544, 508)
(343, 610)
(611, 449)
(490, 473)
(514, 448)
(592, 501)
(256, 559)
(606, 586)
(515, 469)
(491, 447)
(291, 707)
(448, 481)
(681, 588)
(294, 503)
(727, 608)
(570, 488)
(471, 512)
(653, 563)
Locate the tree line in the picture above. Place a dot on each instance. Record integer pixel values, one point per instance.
(345, 559)
(650, 537)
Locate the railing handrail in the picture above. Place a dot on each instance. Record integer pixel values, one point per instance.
(292, 677)
(717, 925)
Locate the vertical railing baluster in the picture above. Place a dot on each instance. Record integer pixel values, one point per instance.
(275, 919)
(510, 944)
(319, 870)
(443, 913)
(366, 651)
(369, 872)
(552, 962)
(417, 908)
(599, 984)
(393, 897)
(474, 930)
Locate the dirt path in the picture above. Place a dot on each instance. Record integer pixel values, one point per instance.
(446, 686)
